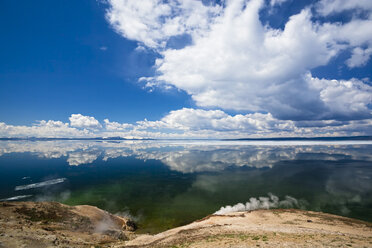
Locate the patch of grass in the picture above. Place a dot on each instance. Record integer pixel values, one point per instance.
(243, 237)
(210, 239)
(184, 245)
(236, 236)
(229, 235)
(276, 213)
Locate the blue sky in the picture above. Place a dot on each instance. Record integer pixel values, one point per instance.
(53, 64)
(167, 69)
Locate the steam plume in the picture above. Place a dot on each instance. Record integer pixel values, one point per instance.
(271, 201)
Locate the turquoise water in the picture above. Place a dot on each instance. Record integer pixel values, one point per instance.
(164, 184)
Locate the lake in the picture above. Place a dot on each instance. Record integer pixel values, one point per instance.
(164, 184)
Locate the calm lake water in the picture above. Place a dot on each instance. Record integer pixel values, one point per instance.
(164, 184)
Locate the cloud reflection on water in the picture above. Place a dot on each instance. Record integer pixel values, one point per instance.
(187, 157)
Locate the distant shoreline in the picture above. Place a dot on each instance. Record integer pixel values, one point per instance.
(340, 138)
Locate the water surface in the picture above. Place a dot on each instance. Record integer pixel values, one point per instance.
(164, 184)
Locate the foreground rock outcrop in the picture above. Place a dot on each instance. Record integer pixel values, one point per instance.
(50, 224)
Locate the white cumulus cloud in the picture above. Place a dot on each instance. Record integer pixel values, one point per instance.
(116, 126)
(47, 129)
(327, 7)
(201, 123)
(234, 61)
(217, 120)
(277, 2)
(81, 121)
(152, 22)
(359, 57)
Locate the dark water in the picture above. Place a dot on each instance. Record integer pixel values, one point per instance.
(167, 184)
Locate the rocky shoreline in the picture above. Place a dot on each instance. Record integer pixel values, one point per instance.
(51, 224)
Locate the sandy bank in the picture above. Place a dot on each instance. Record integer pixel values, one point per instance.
(26, 224)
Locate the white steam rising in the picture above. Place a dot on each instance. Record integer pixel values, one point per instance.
(128, 215)
(261, 203)
(104, 225)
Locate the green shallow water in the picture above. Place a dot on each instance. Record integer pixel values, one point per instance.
(164, 184)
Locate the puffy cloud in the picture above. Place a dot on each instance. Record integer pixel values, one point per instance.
(277, 2)
(152, 22)
(116, 126)
(359, 57)
(327, 7)
(217, 120)
(81, 121)
(234, 61)
(43, 129)
(199, 123)
(345, 99)
(254, 69)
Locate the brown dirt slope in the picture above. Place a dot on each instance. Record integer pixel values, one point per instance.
(51, 224)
